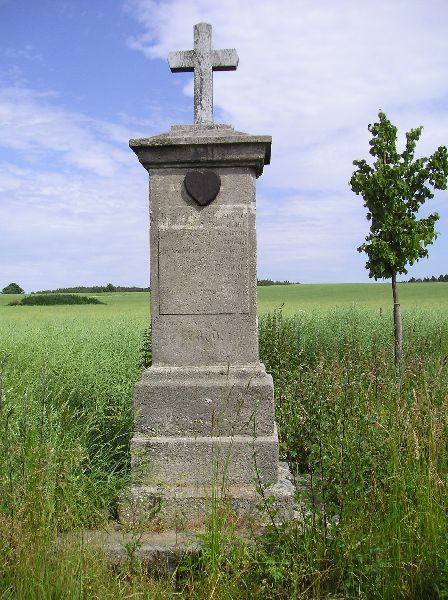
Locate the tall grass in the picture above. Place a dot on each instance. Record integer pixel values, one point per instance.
(65, 424)
(372, 446)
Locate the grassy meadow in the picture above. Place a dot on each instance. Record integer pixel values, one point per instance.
(291, 298)
(372, 443)
(363, 295)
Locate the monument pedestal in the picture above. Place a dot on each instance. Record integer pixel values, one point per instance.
(210, 400)
(184, 507)
(204, 423)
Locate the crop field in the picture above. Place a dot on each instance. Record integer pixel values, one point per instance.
(292, 298)
(373, 442)
(363, 295)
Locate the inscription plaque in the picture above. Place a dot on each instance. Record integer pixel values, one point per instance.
(203, 271)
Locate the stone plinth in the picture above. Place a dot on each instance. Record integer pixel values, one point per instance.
(204, 409)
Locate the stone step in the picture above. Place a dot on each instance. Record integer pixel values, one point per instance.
(190, 506)
(203, 460)
(204, 401)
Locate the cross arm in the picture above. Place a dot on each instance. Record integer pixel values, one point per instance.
(181, 61)
(224, 60)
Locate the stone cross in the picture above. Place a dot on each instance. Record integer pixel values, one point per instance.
(203, 60)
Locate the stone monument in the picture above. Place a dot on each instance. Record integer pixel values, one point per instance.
(204, 423)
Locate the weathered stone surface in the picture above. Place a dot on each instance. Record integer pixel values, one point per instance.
(203, 460)
(211, 264)
(195, 340)
(203, 60)
(203, 271)
(200, 146)
(158, 552)
(199, 401)
(180, 512)
(185, 506)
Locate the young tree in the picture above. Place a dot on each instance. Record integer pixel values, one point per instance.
(393, 189)
(13, 288)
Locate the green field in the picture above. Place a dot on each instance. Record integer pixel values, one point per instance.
(374, 442)
(292, 298)
(364, 295)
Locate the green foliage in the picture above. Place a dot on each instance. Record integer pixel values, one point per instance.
(393, 189)
(13, 288)
(52, 299)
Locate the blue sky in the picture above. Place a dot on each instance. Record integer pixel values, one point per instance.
(79, 78)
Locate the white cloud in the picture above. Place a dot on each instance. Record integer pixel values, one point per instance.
(73, 197)
(308, 233)
(34, 124)
(313, 75)
(61, 229)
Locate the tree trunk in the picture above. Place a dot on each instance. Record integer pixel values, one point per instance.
(398, 329)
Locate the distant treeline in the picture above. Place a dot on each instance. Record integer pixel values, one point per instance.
(94, 289)
(428, 279)
(270, 282)
(101, 289)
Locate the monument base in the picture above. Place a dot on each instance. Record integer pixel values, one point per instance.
(184, 461)
(190, 506)
(204, 401)
(205, 434)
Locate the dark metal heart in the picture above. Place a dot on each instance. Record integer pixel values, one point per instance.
(202, 186)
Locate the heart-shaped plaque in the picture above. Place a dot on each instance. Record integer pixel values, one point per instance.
(202, 186)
